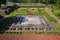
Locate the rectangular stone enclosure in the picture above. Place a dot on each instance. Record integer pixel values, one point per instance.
(29, 23)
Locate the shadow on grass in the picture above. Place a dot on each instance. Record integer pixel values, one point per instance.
(4, 23)
(10, 9)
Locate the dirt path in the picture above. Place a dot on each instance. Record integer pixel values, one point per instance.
(50, 13)
(29, 37)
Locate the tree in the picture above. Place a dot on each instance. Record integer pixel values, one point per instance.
(51, 1)
(55, 1)
(32, 1)
(2, 2)
(15, 6)
(58, 3)
(45, 1)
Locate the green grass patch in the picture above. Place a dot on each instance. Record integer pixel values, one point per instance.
(53, 21)
(57, 14)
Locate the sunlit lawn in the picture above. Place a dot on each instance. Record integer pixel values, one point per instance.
(56, 13)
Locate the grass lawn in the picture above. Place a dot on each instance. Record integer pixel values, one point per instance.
(25, 11)
(56, 13)
(52, 21)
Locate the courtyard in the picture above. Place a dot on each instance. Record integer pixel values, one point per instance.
(29, 23)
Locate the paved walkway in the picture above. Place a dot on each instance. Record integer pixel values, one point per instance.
(50, 13)
(29, 37)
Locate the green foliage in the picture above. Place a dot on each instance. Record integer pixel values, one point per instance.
(50, 18)
(45, 1)
(26, 1)
(15, 5)
(32, 1)
(57, 14)
(22, 1)
(58, 3)
(2, 2)
(58, 6)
